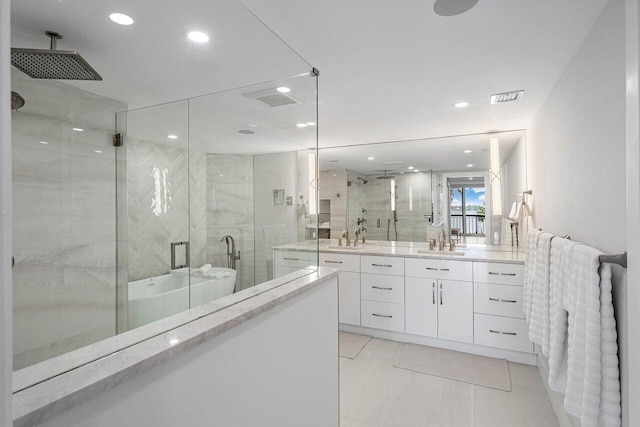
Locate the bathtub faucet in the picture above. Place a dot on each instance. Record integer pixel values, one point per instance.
(232, 257)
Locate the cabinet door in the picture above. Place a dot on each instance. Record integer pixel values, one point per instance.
(455, 310)
(421, 306)
(349, 298)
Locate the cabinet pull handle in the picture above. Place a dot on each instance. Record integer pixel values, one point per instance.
(431, 268)
(512, 301)
(502, 333)
(503, 300)
(441, 301)
(433, 293)
(437, 269)
(333, 262)
(493, 273)
(291, 259)
(444, 269)
(384, 289)
(381, 265)
(382, 315)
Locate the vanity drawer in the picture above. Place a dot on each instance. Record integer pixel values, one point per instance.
(382, 315)
(383, 288)
(493, 272)
(439, 269)
(501, 300)
(294, 259)
(382, 265)
(501, 332)
(342, 262)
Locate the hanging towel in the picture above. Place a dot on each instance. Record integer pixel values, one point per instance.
(529, 268)
(559, 274)
(593, 384)
(539, 317)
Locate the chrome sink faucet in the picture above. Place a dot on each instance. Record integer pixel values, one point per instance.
(355, 237)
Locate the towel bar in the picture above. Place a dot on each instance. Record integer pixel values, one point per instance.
(620, 259)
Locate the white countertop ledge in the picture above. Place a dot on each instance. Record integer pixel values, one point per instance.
(58, 394)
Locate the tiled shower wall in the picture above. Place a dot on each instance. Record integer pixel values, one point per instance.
(158, 211)
(229, 210)
(64, 240)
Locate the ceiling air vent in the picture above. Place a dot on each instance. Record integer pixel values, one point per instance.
(506, 97)
(273, 98)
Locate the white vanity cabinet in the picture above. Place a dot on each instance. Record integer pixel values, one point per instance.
(288, 261)
(348, 285)
(382, 292)
(498, 316)
(435, 304)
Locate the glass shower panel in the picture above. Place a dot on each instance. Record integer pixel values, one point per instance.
(253, 151)
(64, 238)
(153, 213)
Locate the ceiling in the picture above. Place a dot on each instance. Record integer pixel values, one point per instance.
(389, 70)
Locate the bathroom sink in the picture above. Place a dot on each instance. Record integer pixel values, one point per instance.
(434, 252)
(346, 248)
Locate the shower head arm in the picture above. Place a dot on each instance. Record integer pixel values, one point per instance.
(54, 39)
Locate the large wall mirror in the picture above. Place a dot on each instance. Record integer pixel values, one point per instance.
(472, 187)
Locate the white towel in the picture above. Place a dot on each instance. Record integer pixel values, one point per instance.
(539, 317)
(529, 269)
(593, 386)
(560, 272)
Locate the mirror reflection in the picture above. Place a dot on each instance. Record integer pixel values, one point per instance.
(467, 187)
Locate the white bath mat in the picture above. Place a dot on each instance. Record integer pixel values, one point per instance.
(349, 345)
(454, 365)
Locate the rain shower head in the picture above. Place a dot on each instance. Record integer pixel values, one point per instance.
(385, 176)
(52, 63)
(16, 101)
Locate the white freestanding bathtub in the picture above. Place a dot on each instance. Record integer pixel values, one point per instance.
(161, 296)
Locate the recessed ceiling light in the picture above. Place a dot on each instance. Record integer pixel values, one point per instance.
(246, 132)
(470, 165)
(221, 175)
(198, 37)
(283, 89)
(121, 18)
(410, 168)
(253, 126)
(44, 142)
(466, 151)
(311, 123)
(461, 104)
(334, 174)
(370, 158)
(302, 125)
(172, 136)
(416, 170)
(78, 129)
(470, 179)
(98, 151)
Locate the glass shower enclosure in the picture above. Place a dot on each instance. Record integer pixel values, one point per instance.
(207, 187)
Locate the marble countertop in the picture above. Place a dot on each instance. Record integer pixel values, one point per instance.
(42, 400)
(486, 253)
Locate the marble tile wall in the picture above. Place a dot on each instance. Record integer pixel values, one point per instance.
(229, 210)
(158, 211)
(64, 239)
(274, 225)
(332, 186)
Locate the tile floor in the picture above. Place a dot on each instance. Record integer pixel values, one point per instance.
(374, 394)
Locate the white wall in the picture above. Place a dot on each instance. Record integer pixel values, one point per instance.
(576, 153)
(278, 369)
(631, 347)
(6, 325)
(515, 173)
(577, 142)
